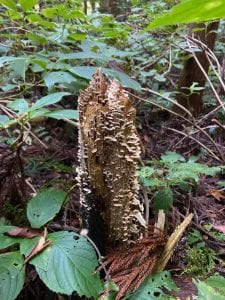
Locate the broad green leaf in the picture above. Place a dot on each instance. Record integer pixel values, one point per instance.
(5, 240)
(85, 55)
(63, 114)
(78, 36)
(44, 206)
(163, 199)
(9, 4)
(37, 39)
(172, 157)
(4, 120)
(8, 87)
(68, 265)
(19, 105)
(12, 275)
(75, 14)
(125, 80)
(49, 99)
(27, 4)
(51, 78)
(87, 72)
(37, 19)
(40, 112)
(206, 292)
(55, 10)
(8, 59)
(151, 289)
(20, 67)
(216, 281)
(191, 11)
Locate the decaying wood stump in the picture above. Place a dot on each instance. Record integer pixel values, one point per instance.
(108, 155)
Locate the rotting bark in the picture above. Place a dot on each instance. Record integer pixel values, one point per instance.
(192, 73)
(108, 155)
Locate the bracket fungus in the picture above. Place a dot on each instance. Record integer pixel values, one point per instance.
(109, 149)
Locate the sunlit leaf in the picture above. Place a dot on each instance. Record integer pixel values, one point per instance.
(191, 11)
(27, 4)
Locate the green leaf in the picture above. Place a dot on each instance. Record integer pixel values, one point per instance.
(51, 78)
(8, 59)
(44, 206)
(152, 182)
(37, 39)
(87, 72)
(4, 120)
(125, 80)
(5, 240)
(41, 112)
(75, 14)
(19, 105)
(20, 67)
(12, 274)
(206, 292)
(55, 10)
(63, 114)
(37, 19)
(217, 282)
(163, 199)
(172, 157)
(9, 4)
(78, 36)
(68, 265)
(151, 289)
(194, 168)
(8, 87)
(27, 4)
(49, 99)
(85, 55)
(191, 11)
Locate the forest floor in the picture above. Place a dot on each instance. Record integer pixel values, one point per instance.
(54, 162)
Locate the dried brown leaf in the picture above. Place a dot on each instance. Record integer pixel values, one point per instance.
(41, 244)
(218, 194)
(26, 232)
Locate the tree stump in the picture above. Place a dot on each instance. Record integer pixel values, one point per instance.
(109, 150)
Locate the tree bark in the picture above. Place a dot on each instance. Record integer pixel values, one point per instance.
(114, 7)
(192, 73)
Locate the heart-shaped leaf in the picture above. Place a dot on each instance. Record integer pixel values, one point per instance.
(67, 265)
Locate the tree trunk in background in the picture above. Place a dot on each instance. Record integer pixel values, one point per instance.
(108, 156)
(92, 5)
(192, 73)
(85, 7)
(114, 7)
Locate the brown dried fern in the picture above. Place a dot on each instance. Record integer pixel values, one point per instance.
(129, 268)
